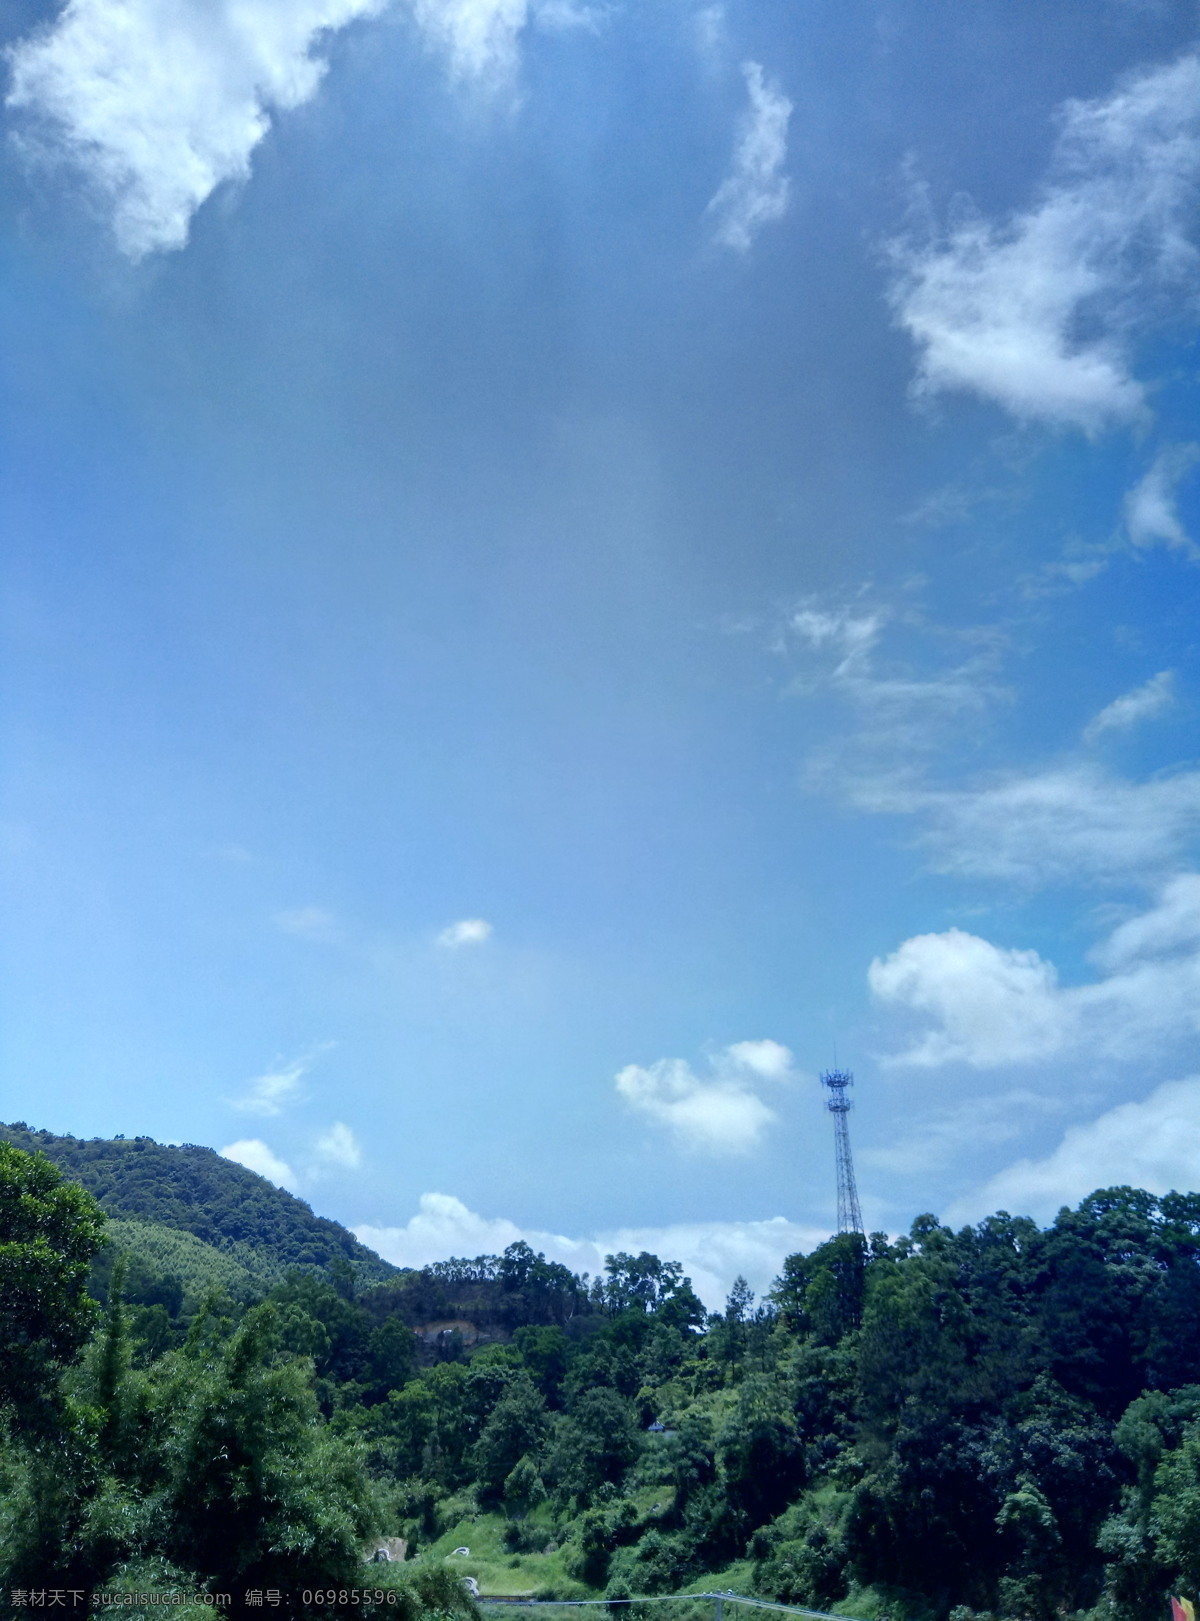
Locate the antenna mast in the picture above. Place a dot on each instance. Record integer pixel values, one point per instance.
(849, 1216)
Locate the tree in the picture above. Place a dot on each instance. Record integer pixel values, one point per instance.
(49, 1232)
(259, 1492)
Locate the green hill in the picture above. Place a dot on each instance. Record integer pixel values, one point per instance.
(260, 1228)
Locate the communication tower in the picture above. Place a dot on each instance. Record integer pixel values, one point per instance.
(849, 1218)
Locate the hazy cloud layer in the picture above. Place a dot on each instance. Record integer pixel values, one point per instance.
(712, 1253)
(1154, 1144)
(1036, 312)
(718, 1113)
(755, 191)
(987, 1005)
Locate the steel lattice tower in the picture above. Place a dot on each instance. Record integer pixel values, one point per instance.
(849, 1218)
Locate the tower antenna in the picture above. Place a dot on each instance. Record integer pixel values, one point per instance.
(849, 1216)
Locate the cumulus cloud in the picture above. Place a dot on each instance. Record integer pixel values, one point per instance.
(270, 1093)
(1035, 312)
(1152, 507)
(755, 191)
(339, 1146)
(1152, 1144)
(717, 1113)
(1131, 708)
(470, 931)
(254, 1154)
(713, 1253)
(159, 101)
(987, 1005)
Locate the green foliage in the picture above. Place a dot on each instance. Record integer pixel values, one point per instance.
(49, 1231)
(1002, 1422)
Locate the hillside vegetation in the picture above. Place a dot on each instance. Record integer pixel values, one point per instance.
(195, 1190)
(1003, 1421)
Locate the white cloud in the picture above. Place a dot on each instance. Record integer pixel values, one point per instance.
(1066, 822)
(339, 1146)
(712, 1253)
(756, 190)
(987, 1005)
(1035, 313)
(159, 101)
(1172, 925)
(1131, 708)
(254, 1154)
(479, 37)
(1151, 507)
(470, 931)
(715, 1114)
(269, 1094)
(1154, 1144)
(770, 1059)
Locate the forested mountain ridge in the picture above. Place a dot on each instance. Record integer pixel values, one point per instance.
(1002, 1421)
(195, 1190)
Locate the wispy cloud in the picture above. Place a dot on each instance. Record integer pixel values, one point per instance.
(1036, 312)
(481, 39)
(716, 1113)
(157, 102)
(1062, 824)
(469, 931)
(755, 191)
(254, 1154)
(269, 1094)
(986, 1006)
(1152, 505)
(1131, 708)
(713, 1253)
(1067, 821)
(936, 1138)
(1153, 1143)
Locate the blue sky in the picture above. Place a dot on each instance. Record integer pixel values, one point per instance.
(562, 561)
